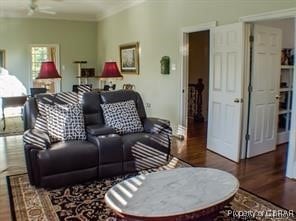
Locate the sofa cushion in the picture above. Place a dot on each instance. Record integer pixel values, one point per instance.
(67, 156)
(91, 108)
(143, 145)
(65, 122)
(97, 130)
(123, 117)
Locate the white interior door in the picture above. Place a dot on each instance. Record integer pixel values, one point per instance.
(266, 67)
(226, 92)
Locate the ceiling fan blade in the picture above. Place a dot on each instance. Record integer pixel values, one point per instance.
(45, 8)
(30, 12)
(34, 8)
(47, 12)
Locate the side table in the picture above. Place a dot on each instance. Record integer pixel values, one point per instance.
(17, 101)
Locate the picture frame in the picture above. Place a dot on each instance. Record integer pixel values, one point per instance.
(2, 58)
(129, 58)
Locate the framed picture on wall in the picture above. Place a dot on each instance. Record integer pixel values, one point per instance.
(129, 58)
(2, 58)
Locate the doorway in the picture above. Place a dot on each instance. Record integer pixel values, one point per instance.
(225, 88)
(198, 85)
(272, 131)
(238, 32)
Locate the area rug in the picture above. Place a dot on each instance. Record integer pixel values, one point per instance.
(86, 201)
(14, 126)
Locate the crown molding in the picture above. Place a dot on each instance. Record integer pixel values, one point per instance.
(282, 14)
(70, 17)
(116, 11)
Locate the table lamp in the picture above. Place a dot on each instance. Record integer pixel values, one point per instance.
(110, 72)
(48, 72)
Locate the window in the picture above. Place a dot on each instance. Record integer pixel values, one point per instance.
(39, 54)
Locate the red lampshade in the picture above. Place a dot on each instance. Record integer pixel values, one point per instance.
(48, 70)
(111, 70)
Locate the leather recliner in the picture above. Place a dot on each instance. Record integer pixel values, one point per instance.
(105, 153)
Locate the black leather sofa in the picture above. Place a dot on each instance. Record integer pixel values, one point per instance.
(104, 153)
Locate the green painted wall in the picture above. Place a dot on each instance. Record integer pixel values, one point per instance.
(156, 25)
(77, 41)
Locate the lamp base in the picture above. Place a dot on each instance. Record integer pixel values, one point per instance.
(108, 87)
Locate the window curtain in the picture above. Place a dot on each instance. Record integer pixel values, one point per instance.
(52, 54)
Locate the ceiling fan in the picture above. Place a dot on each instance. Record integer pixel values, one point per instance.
(34, 7)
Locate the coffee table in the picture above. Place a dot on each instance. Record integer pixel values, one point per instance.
(176, 194)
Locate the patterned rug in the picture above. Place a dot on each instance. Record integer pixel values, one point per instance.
(14, 126)
(86, 201)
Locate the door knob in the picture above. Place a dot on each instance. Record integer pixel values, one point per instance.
(277, 97)
(236, 100)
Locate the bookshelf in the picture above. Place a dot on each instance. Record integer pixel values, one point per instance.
(285, 103)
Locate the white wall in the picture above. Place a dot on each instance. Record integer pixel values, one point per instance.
(77, 41)
(157, 25)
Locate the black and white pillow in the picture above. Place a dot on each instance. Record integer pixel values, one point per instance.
(36, 138)
(65, 122)
(54, 123)
(123, 117)
(41, 123)
(66, 98)
(42, 101)
(51, 99)
(74, 123)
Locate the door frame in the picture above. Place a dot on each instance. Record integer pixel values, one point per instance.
(184, 58)
(276, 15)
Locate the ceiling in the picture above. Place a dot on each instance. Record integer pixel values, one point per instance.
(81, 10)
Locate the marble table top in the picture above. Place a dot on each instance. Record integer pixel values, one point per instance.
(171, 192)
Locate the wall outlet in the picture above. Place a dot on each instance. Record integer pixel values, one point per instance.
(174, 67)
(148, 105)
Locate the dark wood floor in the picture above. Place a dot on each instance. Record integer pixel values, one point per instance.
(263, 175)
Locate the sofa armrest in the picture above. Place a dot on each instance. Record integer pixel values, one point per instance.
(156, 125)
(163, 130)
(37, 139)
(31, 154)
(97, 130)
